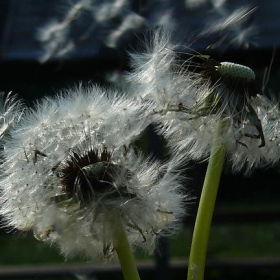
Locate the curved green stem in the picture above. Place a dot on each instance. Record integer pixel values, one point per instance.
(122, 247)
(206, 206)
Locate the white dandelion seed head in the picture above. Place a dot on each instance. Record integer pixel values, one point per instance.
(158, 77)
(71, 160)
(188, 103)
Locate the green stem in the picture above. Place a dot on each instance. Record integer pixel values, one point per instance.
(122, 247)
(206, 206)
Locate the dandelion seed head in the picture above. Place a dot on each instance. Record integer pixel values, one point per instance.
(71, 161)
(190, 97)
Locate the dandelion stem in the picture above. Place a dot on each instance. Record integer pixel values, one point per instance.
(206, 206)
(122, 248)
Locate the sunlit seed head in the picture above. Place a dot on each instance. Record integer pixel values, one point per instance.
(235, 70)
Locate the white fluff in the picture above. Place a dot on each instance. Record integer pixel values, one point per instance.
(75, 123)
(179, 97)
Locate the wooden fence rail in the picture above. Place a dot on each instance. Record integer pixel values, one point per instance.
(88, 271)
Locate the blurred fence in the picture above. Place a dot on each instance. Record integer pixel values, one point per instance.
(175, 269)
(89, 271)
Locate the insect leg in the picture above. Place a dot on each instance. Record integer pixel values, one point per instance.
(253, 118)
(36, 153)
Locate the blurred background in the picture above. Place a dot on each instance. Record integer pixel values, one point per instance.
(48, 45)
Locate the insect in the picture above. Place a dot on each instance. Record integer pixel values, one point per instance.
(95, 170)
(36, 153)
(91, 176)
(236, 70)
